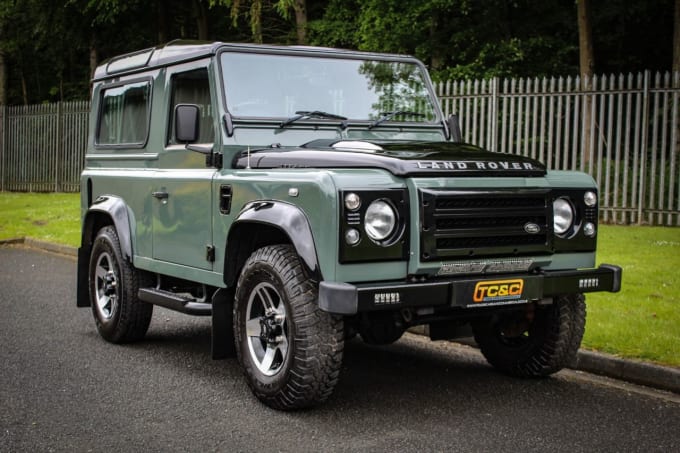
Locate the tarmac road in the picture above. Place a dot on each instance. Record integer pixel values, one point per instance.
(62, 388)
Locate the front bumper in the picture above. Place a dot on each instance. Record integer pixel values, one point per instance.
(466, 292)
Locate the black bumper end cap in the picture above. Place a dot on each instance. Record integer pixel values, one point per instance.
(616, 276)
(338, 298)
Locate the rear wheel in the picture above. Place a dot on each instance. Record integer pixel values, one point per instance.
(537, 342)
(118, 314)
(290, 350)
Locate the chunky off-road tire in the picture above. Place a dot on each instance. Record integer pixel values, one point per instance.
(119, 315)
(535, 343)
(290, 350)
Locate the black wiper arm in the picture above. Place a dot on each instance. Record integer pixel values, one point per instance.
(389, 115)
(310, 114)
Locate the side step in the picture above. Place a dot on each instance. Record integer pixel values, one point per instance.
(174, 301)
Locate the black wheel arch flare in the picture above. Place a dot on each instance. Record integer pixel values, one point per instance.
(281, 221)
(105, 210)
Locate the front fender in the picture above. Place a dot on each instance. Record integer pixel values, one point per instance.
(286, 219)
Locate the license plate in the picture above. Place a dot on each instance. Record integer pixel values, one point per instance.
(500, 291)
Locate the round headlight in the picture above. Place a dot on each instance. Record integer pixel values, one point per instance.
(563, 215)
(590, 199)
(352, 201)
(380, 220)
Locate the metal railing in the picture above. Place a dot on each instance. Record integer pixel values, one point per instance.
(623, 130)
(43, 147)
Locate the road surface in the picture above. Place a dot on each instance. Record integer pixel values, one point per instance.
(62, 388)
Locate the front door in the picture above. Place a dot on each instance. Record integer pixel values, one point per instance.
(182, 197)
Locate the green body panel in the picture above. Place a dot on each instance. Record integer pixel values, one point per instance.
(316, 199)
(182, 226)
(134, 186)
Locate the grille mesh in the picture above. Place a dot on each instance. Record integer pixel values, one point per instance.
(484, 223)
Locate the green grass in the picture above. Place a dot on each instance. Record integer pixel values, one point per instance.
(642, 321)
(53, 217)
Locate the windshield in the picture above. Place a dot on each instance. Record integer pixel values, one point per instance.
(278, 86)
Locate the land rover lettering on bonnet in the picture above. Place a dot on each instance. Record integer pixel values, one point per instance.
(300, 197)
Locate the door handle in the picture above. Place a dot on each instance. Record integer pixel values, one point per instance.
(160, 195)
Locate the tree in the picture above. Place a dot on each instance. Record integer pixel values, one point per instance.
(586, 69)
(676, 39)
(676, 65)
(458, 38)
(585, 39)
(300, 9)
(49, 48)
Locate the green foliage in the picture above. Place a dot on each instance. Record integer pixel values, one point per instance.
(47, 45)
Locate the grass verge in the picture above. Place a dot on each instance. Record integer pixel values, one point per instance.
(642, 321)
(53, 217)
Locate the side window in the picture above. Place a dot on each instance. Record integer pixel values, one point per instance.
(192, 88)
(124, 118)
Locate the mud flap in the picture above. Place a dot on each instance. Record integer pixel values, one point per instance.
(222, 343)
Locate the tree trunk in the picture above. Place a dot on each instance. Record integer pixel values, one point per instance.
(586, 68)
(300, 7)
(201, 15)
(436, 59)
(585, 39)
(676, 38)
(24, 88)
(3, 78)
(256, 21)
(162, 19)
(93, 53)
(676, 66)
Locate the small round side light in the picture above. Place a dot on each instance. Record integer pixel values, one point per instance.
(589, 229)
(352, 201)
(352, 236)
(590, 199)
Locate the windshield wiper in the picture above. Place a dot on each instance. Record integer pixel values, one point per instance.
(389, 115)
(313, 114)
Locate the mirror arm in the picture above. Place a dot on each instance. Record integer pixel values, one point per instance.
(447, 132)
(212, 159)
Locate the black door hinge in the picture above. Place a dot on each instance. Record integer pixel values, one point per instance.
(210, 253)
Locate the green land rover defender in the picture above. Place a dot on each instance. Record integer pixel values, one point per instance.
(301, 196)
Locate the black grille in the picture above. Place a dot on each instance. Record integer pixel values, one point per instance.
(484, 223)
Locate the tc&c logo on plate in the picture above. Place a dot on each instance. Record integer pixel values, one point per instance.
(497, 290)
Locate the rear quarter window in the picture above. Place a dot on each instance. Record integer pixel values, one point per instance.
(124, 115)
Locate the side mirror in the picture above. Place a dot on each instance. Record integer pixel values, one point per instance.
(454, 128)
(187, 120)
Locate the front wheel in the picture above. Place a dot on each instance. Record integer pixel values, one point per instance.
(536, 342)
(290, 350)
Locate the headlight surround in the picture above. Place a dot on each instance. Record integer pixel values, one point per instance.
(563, 215)
(380, 220)
(374, 229)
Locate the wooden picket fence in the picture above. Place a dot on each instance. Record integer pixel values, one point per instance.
(624, 130)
